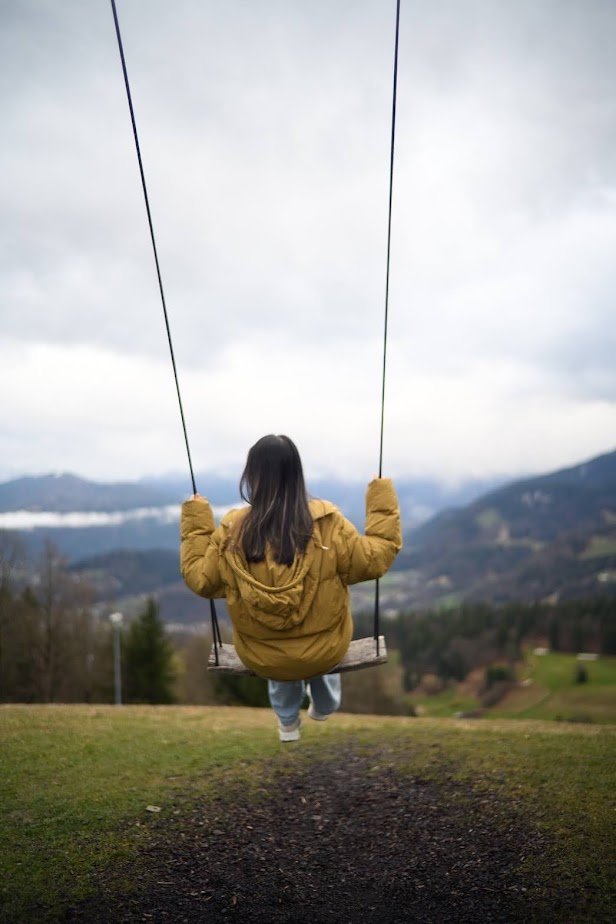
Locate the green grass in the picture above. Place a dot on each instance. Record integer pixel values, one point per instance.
(445, 704)
(599, 547)
(489, 518)
(76, 781)
(73, 775)
(552, 694)
(555, 670)
(448, 602)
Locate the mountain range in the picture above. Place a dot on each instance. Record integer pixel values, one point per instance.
(535, 539)
(89, 518)
(540, 538)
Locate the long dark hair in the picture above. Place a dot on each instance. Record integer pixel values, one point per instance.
(273, 484)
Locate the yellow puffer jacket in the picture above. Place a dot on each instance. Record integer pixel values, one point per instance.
(291, 622)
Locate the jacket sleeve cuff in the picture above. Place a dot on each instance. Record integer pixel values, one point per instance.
(197, 518)
(381, 496)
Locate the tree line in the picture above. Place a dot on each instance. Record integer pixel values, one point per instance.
(450, 643)
(55, 647)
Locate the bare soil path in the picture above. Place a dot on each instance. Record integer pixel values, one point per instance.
(343, 835)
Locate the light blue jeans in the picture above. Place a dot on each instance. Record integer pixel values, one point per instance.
(287, 696)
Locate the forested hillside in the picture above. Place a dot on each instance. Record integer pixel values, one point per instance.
(65, 493)
(552, 535)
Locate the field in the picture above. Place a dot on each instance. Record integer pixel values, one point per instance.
(77, 782)
(549, 692)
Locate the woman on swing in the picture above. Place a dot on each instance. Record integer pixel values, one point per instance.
(284, 564)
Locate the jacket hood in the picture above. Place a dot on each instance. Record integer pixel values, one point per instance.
(273, 593)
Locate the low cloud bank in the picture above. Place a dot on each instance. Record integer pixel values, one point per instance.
(48, 519)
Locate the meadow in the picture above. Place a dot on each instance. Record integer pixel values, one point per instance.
(546, 689)
(83, 787)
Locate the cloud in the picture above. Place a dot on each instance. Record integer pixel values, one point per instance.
(265, 135)
(26, 520)
(122, 420)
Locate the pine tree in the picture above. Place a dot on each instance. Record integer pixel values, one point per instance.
(148, 659)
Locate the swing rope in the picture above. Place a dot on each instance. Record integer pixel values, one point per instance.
(214, 618)
(385, 330)
(216, 636)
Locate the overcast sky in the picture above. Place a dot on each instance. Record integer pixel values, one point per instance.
(265, 134)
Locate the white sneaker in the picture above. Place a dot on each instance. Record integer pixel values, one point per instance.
(290, 732)
(312, 712)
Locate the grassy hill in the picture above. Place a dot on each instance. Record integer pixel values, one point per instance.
(105, 805)
(546, 689)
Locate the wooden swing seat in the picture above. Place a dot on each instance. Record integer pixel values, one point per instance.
(361, 653)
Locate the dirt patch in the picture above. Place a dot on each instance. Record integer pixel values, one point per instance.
(473, 683)
(343, 836)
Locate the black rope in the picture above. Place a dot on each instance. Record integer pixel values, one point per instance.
(391, 187)
(215, 626)
(216, 636)
(147, 208)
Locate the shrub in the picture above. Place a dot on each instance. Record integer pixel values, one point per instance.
(581, 674)
(497, 673)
